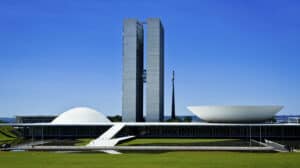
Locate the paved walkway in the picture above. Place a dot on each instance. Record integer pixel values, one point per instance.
(106, 138)
(112, 131)
(31, 143)
(278, 147)
(144, 148)
(109, 142)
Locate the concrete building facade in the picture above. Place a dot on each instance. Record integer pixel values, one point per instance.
(133, 71)
(133, 66)
(155, 71)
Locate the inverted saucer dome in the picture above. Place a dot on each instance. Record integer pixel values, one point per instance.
(80, 115)
(235, 114)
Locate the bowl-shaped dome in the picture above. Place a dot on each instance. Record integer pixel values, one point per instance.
(235, 114)
(80, 115)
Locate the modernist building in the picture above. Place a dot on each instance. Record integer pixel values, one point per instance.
(242, 122)
(82, 122)
(35, 119)
(155, 71)
(133, 68)
(236, 114)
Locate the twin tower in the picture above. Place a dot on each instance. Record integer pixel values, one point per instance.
(134, 74)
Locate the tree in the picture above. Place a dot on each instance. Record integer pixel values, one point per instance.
(187, 119)
(174, 120)
(116, 118)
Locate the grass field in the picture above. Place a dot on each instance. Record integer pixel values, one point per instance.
(6, 134)
(83, 141)
(4, 137)
(169, 159)
(68, 142)
(185, 142)
(294, 143)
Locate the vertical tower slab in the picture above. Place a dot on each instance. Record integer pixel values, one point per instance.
(155, 71)
(132, 89)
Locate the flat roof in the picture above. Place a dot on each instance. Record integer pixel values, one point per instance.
(36, 115)
(150, 124)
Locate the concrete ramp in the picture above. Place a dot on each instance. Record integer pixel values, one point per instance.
(112, 131)
(107, 135)
(108, 142)
(277, 147)
(105, 140)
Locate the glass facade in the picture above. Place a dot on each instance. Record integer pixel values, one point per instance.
(133, 61)
(155, 71)
(258, 132)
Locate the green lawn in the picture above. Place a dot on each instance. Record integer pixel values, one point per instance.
(7, 131)
(294, 143)
(82, 142)
(185, 142)
(168, 159)
(4, 137)
(6, 134)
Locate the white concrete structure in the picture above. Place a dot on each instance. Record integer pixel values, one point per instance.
(106, 139)
(80, 115)
(235, 114)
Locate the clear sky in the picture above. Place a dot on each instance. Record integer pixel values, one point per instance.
(58, 54)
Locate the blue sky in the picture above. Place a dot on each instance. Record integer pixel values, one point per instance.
(59, 54)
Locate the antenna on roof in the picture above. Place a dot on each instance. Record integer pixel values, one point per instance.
(173, 115)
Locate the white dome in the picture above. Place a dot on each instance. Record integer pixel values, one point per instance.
(235, 114)
(80, 115)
